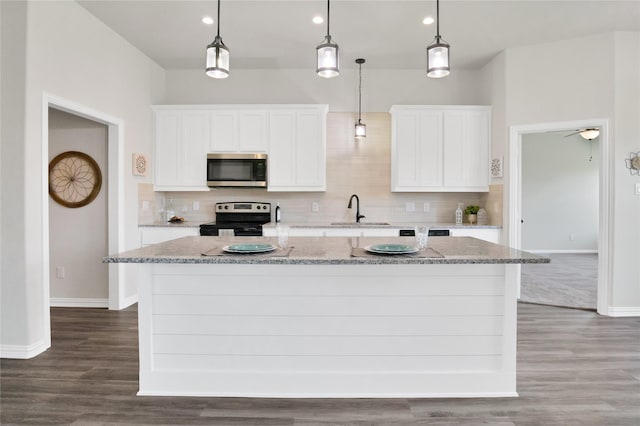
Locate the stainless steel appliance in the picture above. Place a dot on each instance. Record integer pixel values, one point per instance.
(244, 218)
(237, 170)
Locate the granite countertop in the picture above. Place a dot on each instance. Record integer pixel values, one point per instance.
(272, 225)
(326, 251)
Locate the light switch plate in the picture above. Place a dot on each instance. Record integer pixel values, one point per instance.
(426, 207)
(196, 206)
(637, 188)
(315, 207)
(60, 272)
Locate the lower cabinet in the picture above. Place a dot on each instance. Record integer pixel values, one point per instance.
(491, 235)
(157, 234)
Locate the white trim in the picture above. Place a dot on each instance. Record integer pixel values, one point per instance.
(514, 181)
(128, 301)
(116, 243)
(78, 302)
(334, 395)
(24, 352)
(540, 251)
(624, 311)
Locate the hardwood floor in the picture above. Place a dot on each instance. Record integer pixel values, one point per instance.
(574, 368)
(570, 280)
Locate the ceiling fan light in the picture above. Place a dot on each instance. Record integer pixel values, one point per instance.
(217, 59)
(590, 134)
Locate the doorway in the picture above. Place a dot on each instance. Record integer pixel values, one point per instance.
(517, 214)
(78, 235)
(115, 193)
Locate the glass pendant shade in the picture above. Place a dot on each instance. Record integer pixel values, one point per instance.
(438, 58)
(361, 130)
(217, 59)
(327, 52)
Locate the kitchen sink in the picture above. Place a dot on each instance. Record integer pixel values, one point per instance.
(360, 224)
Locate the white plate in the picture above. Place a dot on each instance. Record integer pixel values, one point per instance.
(249, 248)
(391, 249)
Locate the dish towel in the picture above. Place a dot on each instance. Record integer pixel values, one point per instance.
(279, 252)
(426, 253)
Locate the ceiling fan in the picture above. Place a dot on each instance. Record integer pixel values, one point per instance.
(588, 133)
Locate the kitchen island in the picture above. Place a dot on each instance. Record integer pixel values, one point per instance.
(327, 319)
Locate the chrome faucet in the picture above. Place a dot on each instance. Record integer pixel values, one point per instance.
(358, 215)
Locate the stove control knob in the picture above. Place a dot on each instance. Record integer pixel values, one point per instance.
(226, 207)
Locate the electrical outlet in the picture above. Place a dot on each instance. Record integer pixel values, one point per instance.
(426, 207)
(60, 272)
(196, 206)
(145, 205)
(572, 237)
(637, 188)
(410, 207)
(315, 207)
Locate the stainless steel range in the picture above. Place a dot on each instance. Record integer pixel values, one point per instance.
(245, 218)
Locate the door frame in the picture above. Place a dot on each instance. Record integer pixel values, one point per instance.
(115, 196)
(605, 203)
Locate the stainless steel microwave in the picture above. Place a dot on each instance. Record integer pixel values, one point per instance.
(237, 170)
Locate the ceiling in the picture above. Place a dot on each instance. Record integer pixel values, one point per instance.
(388, 34)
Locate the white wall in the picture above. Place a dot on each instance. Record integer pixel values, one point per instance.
(78, 237)
(553, 83)
(559, 193)
(72, 55)
(380, 88)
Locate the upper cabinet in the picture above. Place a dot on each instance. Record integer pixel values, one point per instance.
(181, 141)
(440, 148)
(292, 136)
(297, 149)
(239, 131)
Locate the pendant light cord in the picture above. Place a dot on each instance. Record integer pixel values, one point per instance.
(437, 19)
(360, 94)
(328, 17)
(218, 18)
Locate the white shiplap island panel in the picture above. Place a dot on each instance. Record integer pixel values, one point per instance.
(326, 330)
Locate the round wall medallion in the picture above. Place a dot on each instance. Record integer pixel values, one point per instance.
(633, 163)
(74, 179)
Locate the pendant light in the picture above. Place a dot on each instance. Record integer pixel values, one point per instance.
(327, 53)
(217, 55)
(438, 52)
(361, 128)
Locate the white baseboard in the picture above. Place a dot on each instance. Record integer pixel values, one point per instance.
(23, 351)
(624, 311)
(562, 251)
(77, 302)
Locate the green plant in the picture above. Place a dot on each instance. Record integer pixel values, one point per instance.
(471, 209)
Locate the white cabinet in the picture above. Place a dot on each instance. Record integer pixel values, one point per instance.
(158, 234)
(487, 234)
(293, 136)
(297, 149)
(239, 131)
(180, 150)
(440, 148)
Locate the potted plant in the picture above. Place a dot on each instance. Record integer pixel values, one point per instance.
(472, 212)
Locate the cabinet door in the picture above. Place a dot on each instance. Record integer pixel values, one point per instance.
(282, 138)
(193, 152)
(416, 150)
(466, 150)
(297, 150)
(310, 151)
(252, 131)
(167, 145)
(224, 134)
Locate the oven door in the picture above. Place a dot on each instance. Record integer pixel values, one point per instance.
(237, 170)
